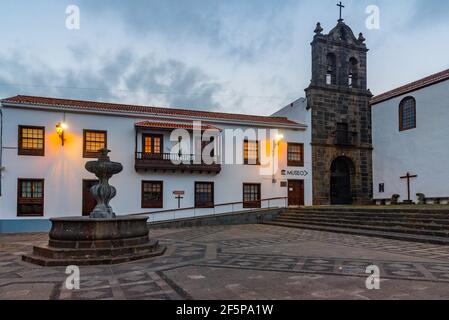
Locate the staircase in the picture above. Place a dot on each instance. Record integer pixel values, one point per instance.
(418, 225)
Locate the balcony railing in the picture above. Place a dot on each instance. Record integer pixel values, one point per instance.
(175, 162)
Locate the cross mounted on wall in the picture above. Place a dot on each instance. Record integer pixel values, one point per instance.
(341, 8)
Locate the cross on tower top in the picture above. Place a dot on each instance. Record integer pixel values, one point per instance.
(341, 7)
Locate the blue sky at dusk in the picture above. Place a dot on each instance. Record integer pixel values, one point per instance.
(245, 56)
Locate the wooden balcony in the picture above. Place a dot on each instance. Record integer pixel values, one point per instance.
(173, 162)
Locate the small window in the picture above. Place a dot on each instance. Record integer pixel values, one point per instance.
(152, 194)
(204, 194)
(30, 197)
(31, 141)
(251, 152)
(407, 114)
(381, 187)
(295, 155)
(152, 144)
(94, 140)
(251, 195)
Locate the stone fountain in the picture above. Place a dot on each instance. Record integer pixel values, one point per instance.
(101, 238)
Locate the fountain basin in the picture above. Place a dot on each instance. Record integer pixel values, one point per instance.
(87, 241)
(88, 229)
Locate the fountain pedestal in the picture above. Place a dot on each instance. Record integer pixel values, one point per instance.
(101, 238)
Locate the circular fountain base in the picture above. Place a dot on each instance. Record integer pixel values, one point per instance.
(85, 241)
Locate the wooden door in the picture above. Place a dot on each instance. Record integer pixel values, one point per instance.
(295, 193)
(89, 201)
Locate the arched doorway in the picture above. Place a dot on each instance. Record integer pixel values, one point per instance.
(341, 192)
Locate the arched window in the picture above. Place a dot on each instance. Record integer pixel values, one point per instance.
(352, 73)
(331, 73)
(407, 114)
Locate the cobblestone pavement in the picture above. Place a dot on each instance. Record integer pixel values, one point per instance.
(240, 262)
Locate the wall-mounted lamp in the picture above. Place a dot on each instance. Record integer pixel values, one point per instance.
(60, 128)
(279, 138)
(277, 141)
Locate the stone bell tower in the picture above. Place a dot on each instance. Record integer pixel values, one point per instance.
(341, 118)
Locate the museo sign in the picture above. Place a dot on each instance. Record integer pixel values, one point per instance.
(294, 173)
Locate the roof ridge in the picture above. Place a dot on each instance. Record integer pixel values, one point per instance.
(176, 109)
(412, 86)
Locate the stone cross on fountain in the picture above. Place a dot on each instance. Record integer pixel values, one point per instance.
(103, 192)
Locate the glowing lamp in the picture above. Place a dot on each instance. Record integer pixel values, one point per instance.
(60, 128)
(279, 138)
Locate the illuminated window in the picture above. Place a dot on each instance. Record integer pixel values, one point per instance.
(31, 141)
(251, 152)
(152, 194)
(30, 197)
(295, 155)
(94, 140)
(152, 144)
(204, 194)
(251, 195)
(407, 114)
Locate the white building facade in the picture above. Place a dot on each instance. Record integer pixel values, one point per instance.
(45, 144)
(410, 138)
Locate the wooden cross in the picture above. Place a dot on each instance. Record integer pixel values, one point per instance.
(408, 177)
(341, 7)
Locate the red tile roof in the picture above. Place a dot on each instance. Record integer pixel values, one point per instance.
(425, 82)
(102, 106)
(172, 125)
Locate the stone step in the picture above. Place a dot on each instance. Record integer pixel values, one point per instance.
(48, 262)
(368, 214)
(372, 227)
(62, 253)
(419, 223)
(374, 210)
(367, 233)
(441, 222)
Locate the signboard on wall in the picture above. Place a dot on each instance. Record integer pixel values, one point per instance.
(179, 193)
(294, 173)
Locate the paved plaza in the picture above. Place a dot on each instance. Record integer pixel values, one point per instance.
(240, 262)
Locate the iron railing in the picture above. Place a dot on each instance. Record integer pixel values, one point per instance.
(223, 208)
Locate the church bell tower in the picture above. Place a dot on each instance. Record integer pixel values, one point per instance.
(338, 99)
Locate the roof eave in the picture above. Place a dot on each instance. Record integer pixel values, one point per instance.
(52, 107)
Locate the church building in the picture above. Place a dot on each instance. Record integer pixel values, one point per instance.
(410, 137)
(338, 111)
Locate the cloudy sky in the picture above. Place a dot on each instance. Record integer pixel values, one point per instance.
(245, 56)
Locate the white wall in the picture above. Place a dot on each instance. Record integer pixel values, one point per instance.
(63, 167)
(423, 151)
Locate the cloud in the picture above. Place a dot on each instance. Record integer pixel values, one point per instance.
(249, 56)
(122, 76)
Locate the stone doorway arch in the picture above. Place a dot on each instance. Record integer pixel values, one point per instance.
(342, 170)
